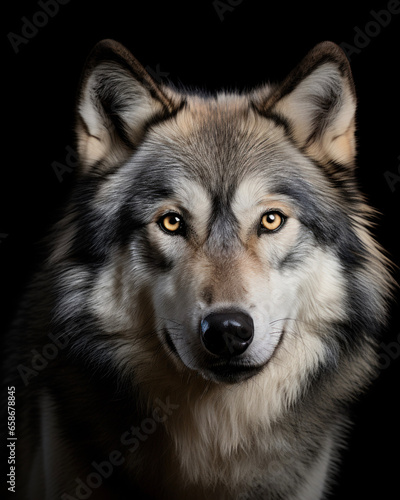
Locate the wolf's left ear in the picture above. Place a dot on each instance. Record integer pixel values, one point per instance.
(317, 101)
(117, 100)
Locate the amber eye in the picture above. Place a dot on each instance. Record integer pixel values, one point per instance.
(271, 221)
(171, 223)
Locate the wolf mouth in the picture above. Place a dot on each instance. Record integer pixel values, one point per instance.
(232, 372)
(229, 371)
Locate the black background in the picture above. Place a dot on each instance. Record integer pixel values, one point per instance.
(192, 44)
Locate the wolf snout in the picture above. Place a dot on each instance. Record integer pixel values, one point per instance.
(227, 333)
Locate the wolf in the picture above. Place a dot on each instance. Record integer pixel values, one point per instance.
(212, 298)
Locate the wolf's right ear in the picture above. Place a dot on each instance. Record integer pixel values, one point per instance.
(117, 100)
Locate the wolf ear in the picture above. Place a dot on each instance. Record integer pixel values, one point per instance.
(117, 100)
(317, 101)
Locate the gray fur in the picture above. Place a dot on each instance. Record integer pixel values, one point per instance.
(121, 300)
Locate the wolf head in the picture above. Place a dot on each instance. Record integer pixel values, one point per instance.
(223, 234)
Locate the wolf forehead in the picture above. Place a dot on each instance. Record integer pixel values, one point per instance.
(154, 137)
(218, 143)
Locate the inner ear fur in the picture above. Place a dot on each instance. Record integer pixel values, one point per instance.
(117, 99)
(317, 104)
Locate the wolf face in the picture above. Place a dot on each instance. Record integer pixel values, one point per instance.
(239, 213)
(232, 255)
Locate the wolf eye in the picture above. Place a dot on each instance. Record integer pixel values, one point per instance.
(271, 221)
(171, 223)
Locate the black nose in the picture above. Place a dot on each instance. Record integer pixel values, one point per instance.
(227, 333)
